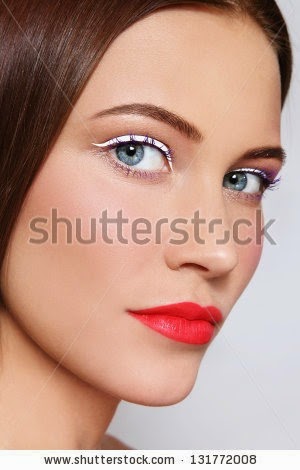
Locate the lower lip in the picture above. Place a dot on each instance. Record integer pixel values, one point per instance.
(178, 328)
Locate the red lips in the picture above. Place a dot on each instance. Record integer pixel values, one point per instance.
(185, 322)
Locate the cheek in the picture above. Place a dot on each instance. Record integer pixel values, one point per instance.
(52, 285)
(249, 242)
(249, 258)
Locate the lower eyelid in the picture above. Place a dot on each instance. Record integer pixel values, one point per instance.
(151, 176)
(240, 196)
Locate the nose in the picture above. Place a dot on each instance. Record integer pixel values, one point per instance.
(205, 242)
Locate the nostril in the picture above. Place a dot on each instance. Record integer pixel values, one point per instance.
(198, 266)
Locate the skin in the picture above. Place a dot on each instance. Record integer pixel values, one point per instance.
(66, 304)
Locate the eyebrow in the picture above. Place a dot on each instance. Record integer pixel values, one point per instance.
(158, 113)
(184, 127)
(266, 152)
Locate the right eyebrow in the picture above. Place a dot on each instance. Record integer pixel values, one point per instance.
(155, 112)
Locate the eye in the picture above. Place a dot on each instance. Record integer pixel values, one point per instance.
(249, 181)
(140, 152)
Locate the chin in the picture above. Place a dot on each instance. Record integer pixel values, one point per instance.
(155, 387)
(163, 398)
(162, 394)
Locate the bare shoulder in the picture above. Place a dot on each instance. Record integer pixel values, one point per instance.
(112, 443)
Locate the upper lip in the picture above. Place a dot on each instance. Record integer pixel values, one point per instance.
(187, 310)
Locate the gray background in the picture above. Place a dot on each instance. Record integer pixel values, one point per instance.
(248, 387)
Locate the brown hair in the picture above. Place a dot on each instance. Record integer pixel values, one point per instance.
(49, 49)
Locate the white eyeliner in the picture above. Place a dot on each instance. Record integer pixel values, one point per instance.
(251, 171)
(139, 138)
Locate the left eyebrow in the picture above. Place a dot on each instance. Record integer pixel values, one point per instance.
(266, 152)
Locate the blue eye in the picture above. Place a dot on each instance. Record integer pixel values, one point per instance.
(141, 152)
(130, 154)
(236, 181)
(247, 180)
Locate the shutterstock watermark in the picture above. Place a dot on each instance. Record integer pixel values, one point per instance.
(142, 231)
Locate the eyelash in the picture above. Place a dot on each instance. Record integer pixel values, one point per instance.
(268, 180)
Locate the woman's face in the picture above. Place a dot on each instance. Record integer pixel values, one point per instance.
(222, 76)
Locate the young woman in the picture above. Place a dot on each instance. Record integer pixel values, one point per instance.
(137, 140)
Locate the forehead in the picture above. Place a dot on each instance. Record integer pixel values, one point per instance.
(209, 67)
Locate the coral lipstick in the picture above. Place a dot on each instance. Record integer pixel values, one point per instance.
(186, 322)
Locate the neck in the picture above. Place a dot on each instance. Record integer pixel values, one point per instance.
(42, 404)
